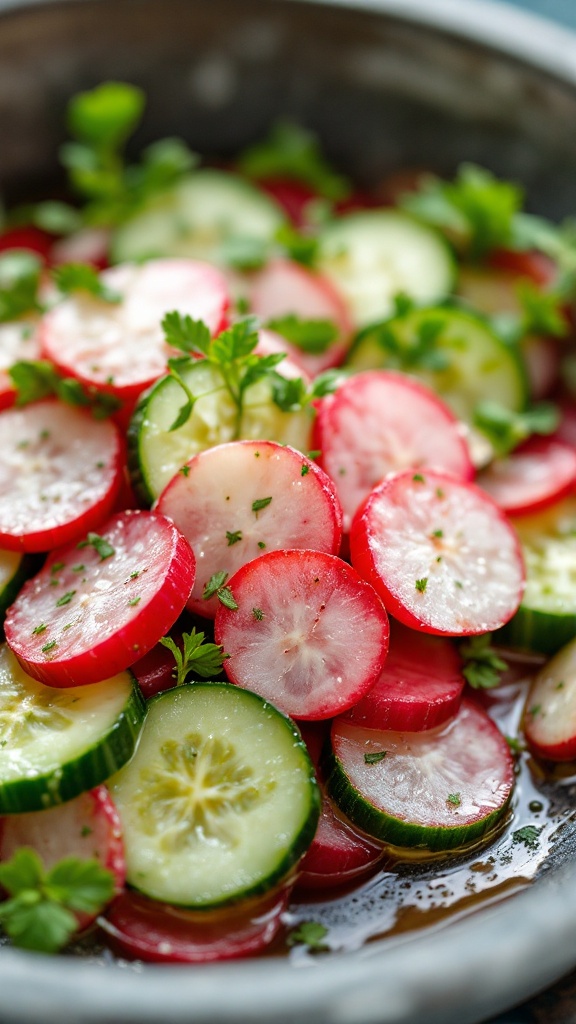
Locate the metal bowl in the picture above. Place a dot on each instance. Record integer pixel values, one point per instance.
(385, 83)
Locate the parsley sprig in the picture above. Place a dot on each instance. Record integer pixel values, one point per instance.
(39, 913)
(34, 379)
(313, 335)
(293, 153)
(20, 273)
(80, 277)
(506, 429)
(197, 657)
(483, 667)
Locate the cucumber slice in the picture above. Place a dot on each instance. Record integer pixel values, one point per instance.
(58, 743)
(474, 364)
(197, 218)
(15, 569)
(155, 453)
(220, 800)
(546, 619)
(374, 255)
(438, 790)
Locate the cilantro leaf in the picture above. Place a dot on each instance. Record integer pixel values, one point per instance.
(74, 277)
(20, 273)
(506, 429)
(310, 934)
(483, 667)
(197, 656)
(313, 336)
(291, 152)
(476, 210)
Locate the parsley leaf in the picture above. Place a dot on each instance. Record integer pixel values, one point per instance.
(291, 152)
(506, 429)
(197, 656)
(20, 273)
(310, 934)
(375, 757)
(482, 665)
(74, 277)
(101, 546)
(529, 836)
(38, 915)
(313, 336)
(184, 333)
(36, 378)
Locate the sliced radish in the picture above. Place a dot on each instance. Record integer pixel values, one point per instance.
(30, 238)
(529, 264)
(155, 671)
(550, 714)
(86, 827)
(379, 422)
(308, 634)
(18, 340)
(143, 929)
(236, 501)
(438, 790)
(440, 553)
(338, 853)
(292, 196)
(60, 473)
(96, 607)
(284, 287)
(119, 347)
(539, 473)
(420, 686)
(270, 343)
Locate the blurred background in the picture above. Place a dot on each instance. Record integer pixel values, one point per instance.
(561, 10)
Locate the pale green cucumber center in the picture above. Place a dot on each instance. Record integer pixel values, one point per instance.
(9, 565)
(549, 546)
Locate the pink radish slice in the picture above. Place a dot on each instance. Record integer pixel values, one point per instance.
(142, 929)
(539, 473)
(437, 790)
(236, 501)
(440, 553)
(270, 343)
(338, 853)
(284, 288)
(420, 686)
(18, 340)
(86, 827)
(93, 610)
(119, 348)
(550, 714)
(380, 422)
(308, 634)
(60, 473)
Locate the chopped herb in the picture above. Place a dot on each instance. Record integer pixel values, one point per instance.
(440, 493)
(483, 667)
(78, 568)
(292, 152)
(313, 336)
(418, 478)
(134, 575)
(197, 656)
(506, 429)
(49, 646)
(65, 599)
(421, 584)
(40, 913)
(258, 614)
(74, 277)
(454, 798)
(233, 537)
(560, 685)
(260, 503)
(304, 470)
(261, 545)
(226, 597)
(39, 629)
(134, 601)
(535, 710)
(438, 533)
(314, 454)
(56, 567)
(101, 546)
(214, 583)
(516, 745)
(529, 836)
(375, 757)
(310, 934)
(20, 275)
(185, 470)
(86, 831)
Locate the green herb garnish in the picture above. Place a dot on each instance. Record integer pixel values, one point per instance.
(483, 667)
(197, 656)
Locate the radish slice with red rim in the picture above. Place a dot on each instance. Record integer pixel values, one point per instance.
(284, 288)
(338, 853)
(420, 686)
(440, 553)
(18, 341)
(142, 929)
(236, 501)
(539, 473)
(308, 634)
(437, 790)
(86, 827)
(379, 422)
(119, 347)
(98, 606)
(60, 473)
(550, 714)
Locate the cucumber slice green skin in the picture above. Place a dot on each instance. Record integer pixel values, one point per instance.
(187, 879)
(391, 830)
(28, 566)
(533, 630)
(481, 365)
(85, 772)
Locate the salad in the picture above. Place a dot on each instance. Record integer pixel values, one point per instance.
(287, 552)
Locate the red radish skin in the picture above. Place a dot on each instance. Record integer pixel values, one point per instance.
(155, 671)
(30, 238)
(214, 503)
(380, 422)
(60, 474)
(283, 287)
(441, 554)
(458, 776)
(308, 634)
(86, 827)
(338, 853)
(84, 617)
(143, 929)
(119, 348)
(536, 475)
(420, 686)
(549, 720)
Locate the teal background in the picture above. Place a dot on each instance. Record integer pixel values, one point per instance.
(563, 11)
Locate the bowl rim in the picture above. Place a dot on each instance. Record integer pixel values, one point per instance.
(379, 984)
